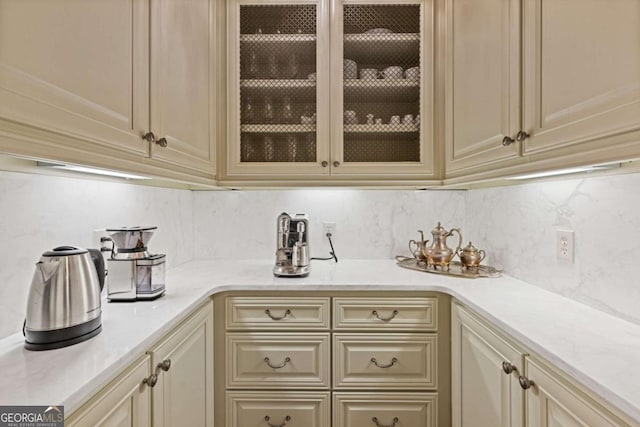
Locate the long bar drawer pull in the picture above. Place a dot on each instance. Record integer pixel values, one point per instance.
(286, 313)
(385, 319)
(282, 424)
(395, 421)
(282, 365)
(382, 365)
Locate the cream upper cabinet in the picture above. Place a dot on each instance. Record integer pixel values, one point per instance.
(330, 90)
(581, 76)
(483, 393)
(126, 402)
(181, 95)
(555, 402)
(123, 84)
(78, 69)
(183, 363)
(482, 84)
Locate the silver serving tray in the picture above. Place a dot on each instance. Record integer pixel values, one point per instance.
(455, 269)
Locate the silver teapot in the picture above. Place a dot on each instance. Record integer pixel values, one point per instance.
(470, 257)
(418, 252)
(439, 254)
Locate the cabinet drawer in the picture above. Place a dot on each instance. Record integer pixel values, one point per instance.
(266, 360)
(277, 313)
(382, 409)
(302, 409)
(405, 361)
(419, 314)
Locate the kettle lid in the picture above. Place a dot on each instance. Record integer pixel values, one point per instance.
(65, 251)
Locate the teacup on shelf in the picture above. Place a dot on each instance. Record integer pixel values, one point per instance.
(393, 72)
(412, 73)
(369, 74)
(350, 117)
(395, 120)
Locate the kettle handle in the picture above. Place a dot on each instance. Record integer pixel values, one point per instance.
(457, 230)
(98, 261)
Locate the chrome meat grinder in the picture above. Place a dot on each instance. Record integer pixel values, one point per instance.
(292, 252)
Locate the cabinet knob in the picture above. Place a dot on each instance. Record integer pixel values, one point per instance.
(525, 382)
(377, 423)
(324, 163)
(336, 163)
(162, 142)
(149, 137)
(507, 140)
(165, 365)
(508, 367)
(286, 313)
(521, 136)
(282, 424)
(282, 365)
(151, 380)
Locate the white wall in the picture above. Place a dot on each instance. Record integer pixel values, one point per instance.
(371, 224)
(38, 213)
(517, 227)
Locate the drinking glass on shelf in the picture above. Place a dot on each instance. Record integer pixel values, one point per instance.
(248, 111)
(268, 113)
(269, 149)
(248, 151)
(272, 65)
(310, 147)
(254, 68)
(293, 66)
(287, 110)
(292, 147)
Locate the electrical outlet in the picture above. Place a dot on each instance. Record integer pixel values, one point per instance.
(329, 227)
(565, 245)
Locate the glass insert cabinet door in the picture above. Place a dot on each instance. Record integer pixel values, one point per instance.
(382, 113)
(330, 87)
(278, 115)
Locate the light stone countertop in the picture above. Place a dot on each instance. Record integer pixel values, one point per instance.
(598, 350)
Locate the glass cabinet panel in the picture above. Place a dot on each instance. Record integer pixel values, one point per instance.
(381, 83)
(278, 78)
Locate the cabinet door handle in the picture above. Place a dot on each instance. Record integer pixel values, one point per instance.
(525, 382)
(151, 380)
(324, 163)
(507, 140)
(521, 136)
(149, 137)
(385, 319)
(282, 424)
(165, 365)
(336, 163)
(286, 313)
(395, 421)
(282, 365)
(508, 367)
(162, 142)
(382, 365)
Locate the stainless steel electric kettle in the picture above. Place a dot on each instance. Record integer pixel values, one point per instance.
(63, 307)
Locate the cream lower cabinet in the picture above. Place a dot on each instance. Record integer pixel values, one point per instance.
(553, 401)
(332, 359)
(496, 383)
(125, 402)
(484, 375)
(172, 385)
(83, 82)
(183, 363)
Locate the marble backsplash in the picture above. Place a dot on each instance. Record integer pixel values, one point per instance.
(370, 224)
(517, 227)
(38, 213)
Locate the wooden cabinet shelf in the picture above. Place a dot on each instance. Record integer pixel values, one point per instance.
(382, 129)
(277, 128)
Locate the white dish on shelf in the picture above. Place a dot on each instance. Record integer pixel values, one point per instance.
(379, 31)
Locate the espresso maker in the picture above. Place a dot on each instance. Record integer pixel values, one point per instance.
(132, 272)
(292, 250)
